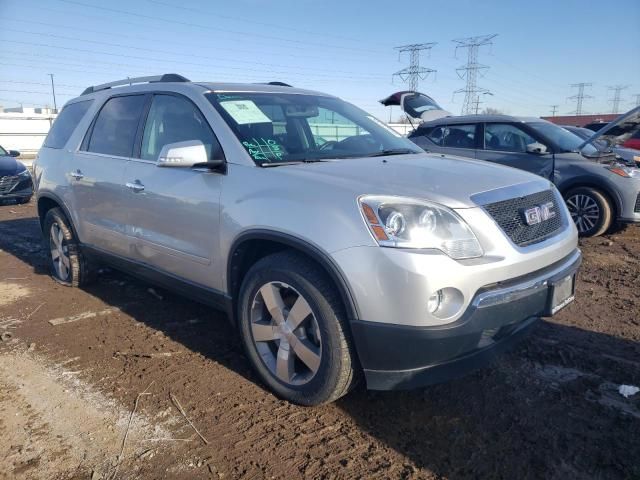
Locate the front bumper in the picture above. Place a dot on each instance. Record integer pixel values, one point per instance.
(402, 357)
(22, 188)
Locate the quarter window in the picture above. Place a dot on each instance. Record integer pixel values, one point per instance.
(114, 131)
(66, 123)
(174, 119)
(506, 138)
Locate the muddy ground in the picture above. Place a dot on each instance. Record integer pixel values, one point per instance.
(549, 409)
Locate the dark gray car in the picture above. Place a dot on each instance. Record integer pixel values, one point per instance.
(598, 189)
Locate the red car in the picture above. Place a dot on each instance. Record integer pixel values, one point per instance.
(633, 141)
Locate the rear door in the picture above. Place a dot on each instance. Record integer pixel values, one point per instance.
(506, 143)
(174, 213)
(97, 174)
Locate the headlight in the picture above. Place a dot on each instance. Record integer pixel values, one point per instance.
(623, 170)
(410, 223)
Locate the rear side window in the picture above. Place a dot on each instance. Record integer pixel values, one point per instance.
(114, 131)
(459, 136)
(66, 123)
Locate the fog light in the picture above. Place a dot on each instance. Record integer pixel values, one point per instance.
(433, 304)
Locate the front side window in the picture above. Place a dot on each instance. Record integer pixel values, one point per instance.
(504, 137)
(66, 123)
(114, 130)
(174, 119)
(459, 136)
(283, 127)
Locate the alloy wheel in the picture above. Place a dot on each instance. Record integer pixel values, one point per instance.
(285, 333)
(59, 252)
(584, 211)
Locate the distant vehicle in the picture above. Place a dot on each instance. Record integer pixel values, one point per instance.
(598, 189)
(626, 155)
(15, 178)
(595, 126)
(633, 141)
(361, 257)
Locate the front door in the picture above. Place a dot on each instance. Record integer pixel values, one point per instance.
(97, 175)
(506, 143)
(174, 213)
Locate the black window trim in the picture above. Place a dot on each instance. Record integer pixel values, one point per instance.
(137, 149)
(84, 146)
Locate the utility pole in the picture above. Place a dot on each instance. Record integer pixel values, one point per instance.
(615, 101)
(414, 72)
(554, 110)
(53, 91)
(580, 96)
(471, 69)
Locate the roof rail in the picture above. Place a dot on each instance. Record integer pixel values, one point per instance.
(278, 84)
(167, 77)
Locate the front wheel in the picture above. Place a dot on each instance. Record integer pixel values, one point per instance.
(294, 330)
(590, 210)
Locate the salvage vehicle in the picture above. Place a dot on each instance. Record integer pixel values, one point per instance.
(15, 178)
(607, 145)
(599, 190)
(362, 256)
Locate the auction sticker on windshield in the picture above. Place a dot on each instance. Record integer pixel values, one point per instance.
(244, 112)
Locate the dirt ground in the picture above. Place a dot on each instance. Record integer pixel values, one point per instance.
(97, 392)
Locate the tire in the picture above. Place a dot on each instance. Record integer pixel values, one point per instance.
(313, 363)
(75, 271)
(590, 210)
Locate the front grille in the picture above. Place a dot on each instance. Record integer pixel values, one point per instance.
(509, 215)
(636, 209)
(8, 183)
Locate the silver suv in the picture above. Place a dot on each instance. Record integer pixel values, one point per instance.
(337, 247)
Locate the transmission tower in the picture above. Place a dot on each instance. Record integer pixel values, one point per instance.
(615, 101)
(414, 72)
(637, 99)
(471, 70)
(580, 96)
(554, 110)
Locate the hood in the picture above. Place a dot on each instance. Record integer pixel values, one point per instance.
(447, 180)
(9, 166)
(618, 131)
(416, 105)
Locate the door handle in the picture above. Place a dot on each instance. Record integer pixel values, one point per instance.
(135, 186)
(77, 175)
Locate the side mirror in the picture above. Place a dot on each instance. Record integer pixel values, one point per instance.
(537, 148)
(188, 154)
(14, 153)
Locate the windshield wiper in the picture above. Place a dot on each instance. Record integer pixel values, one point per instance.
(291, 162)
(392, 151)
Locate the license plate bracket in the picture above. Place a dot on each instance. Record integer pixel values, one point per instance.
(561, 294)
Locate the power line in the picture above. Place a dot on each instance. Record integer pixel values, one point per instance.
(580, 97)
(471, 70)
(615, 101)
(414, 72)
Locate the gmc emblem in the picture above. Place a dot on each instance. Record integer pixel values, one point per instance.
(539, 213)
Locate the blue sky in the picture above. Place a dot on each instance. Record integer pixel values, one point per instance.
(340, 47)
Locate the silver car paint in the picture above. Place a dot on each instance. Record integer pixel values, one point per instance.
(185, 222)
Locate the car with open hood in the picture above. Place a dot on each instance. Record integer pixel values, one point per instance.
(598, 187)
(606, 146)
(339, 249)
(15, 178)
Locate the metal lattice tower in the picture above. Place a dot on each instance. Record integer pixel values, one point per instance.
(615, 101)
(414, 72)
(554, 110)
(471, 70)
(580, 96)
(636, 102)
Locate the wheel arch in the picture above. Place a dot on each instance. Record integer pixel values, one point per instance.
(253, 245)
(47, 201)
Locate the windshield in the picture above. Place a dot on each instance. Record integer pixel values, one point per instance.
(284, 127)
(562, 140)
(3, 152)
(585, 134)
